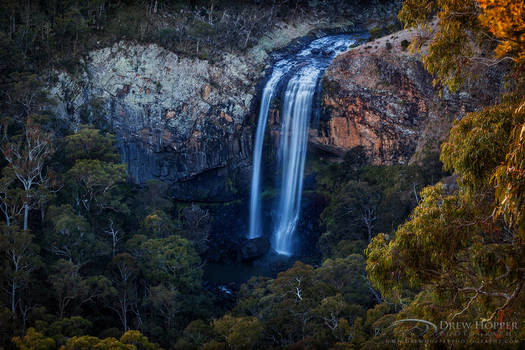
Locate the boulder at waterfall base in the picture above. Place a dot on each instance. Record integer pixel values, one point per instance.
(254, 248)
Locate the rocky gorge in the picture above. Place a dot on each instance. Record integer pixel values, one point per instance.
(187, 121)
(250, 174)
(190, 122)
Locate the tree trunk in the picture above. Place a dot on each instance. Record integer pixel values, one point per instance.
(13, 296)
(125, 316)
(61, 307)
(247, 38)
(26, 215)
(210, 14)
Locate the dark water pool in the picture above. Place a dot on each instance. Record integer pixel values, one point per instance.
(240, 272)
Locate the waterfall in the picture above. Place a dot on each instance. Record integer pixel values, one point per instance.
(303, 71)
(297, 109)
(255, 200)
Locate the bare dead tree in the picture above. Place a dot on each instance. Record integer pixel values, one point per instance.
(416, 194)
(27, 159)
(114, 235)
(368, 216)
(124, 278)
(197, 226)
(10, 204)
(18, 249)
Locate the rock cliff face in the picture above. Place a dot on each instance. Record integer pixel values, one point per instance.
(186, 121)
(379, 96)
(180, 120)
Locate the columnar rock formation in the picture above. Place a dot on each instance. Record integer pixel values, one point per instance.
(175, 118)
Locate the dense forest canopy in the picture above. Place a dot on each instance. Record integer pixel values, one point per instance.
(89, 260)
(460, 255)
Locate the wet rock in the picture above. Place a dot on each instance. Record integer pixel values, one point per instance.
(254, 248)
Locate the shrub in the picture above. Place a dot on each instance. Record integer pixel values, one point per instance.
(375, 32)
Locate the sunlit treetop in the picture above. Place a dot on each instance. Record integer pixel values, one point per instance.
(505, 19)
(467, 31)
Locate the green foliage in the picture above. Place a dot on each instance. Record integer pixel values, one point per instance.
(34, 340)
(255, 298)
(352, 207)
(302, 305)
(455, 259)
(171, 260)
(90, 143)
(348, 276)
(238, 332)
(71, 236)
(509, 180)
(66, 283)
(131, 340)
(20, 259)
(427, 238)
(375, 32)
(458, 38)
(73, 289)
(138, 340)
(197, 333)
(172, 273)
(485, 148)
(89, 342)
(27, 155)
(444, 250)
(479, 142)
(63, 329)
(159, 224)
(508, 176)
(368, 199)
(95, 184)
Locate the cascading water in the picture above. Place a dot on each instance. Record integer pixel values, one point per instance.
(297, 108)
(302, 72)
(267, 95)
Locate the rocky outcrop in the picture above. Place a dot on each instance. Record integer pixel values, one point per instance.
(379, 96)
(378, 102)
(176, 119)
(254, 248)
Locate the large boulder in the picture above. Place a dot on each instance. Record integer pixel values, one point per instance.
(254, 248)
